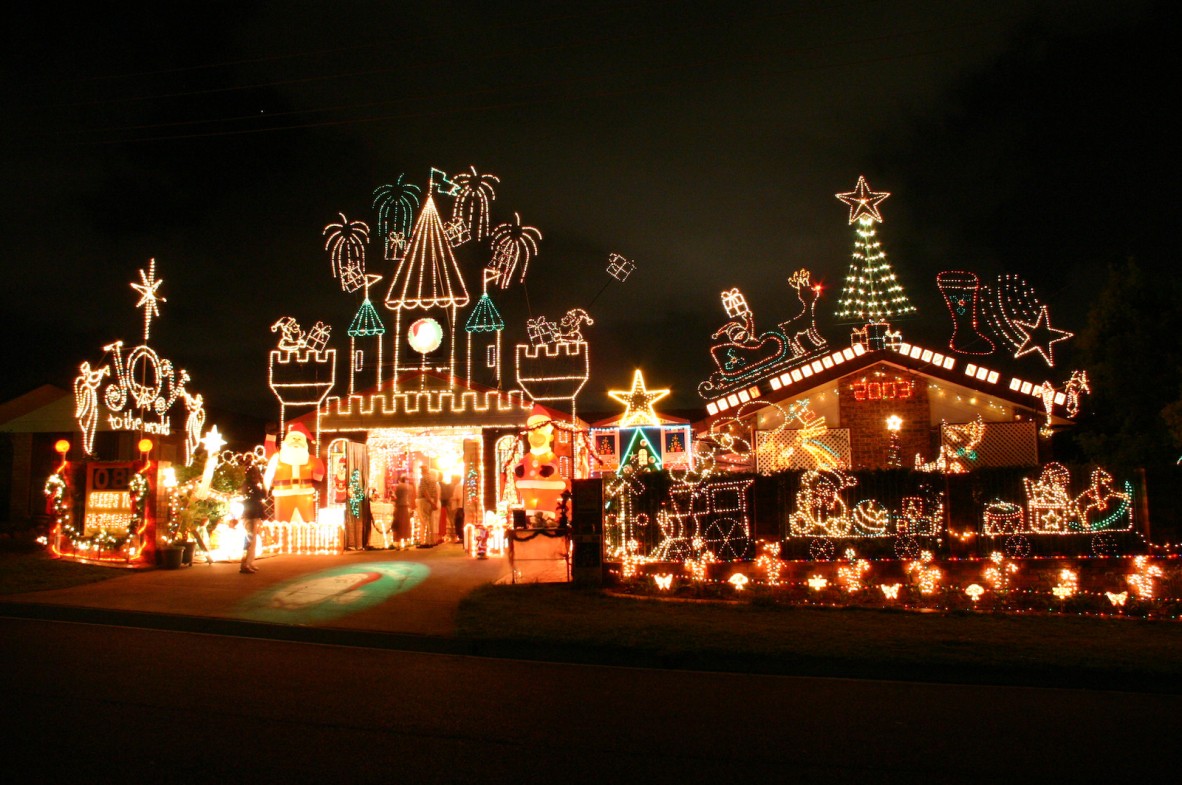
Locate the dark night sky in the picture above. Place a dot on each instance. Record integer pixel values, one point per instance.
(703, 140)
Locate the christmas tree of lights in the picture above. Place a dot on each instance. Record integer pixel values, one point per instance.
(871, 293)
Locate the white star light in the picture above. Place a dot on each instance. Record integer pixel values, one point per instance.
(148, 297)
(213, 441)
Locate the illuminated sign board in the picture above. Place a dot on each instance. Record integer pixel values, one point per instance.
(108, 500)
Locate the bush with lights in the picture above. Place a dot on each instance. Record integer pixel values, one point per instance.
(191, 511)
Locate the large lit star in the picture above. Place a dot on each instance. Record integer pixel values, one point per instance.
(638, 402)
(213, 441)
(148, 297)
(863, 201)
(1040, 337)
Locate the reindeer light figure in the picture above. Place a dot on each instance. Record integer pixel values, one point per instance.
(803, 326)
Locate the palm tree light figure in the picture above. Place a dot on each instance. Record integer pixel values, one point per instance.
(346, 246)
(396, 204)
(471, 205)
(513, 244)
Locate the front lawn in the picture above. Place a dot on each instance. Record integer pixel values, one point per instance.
(593, 626)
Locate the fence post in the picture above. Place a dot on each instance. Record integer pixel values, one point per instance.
(1143, 502)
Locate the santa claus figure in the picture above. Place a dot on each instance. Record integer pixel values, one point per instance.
(292, 475)
(539, 483)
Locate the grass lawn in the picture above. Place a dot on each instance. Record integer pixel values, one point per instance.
(589, 626)
(24, 570)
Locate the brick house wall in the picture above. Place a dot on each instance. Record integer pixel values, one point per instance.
(867, 398)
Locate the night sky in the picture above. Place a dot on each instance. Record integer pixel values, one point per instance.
(703, 140)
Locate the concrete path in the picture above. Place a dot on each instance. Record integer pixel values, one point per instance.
(411, 592)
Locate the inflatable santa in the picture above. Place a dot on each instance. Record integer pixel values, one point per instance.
(292, 475)
(539, 483)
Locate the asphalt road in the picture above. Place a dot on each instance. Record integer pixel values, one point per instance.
(99, 703)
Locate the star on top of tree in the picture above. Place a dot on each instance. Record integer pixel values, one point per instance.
(1040, 337)
(863, 201)
(638, 402)
(148, 298)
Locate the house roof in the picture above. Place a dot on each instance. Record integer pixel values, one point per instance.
(662, 419)
(938, 365)
(42, 405)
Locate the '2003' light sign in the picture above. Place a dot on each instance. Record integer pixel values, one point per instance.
(898, 390)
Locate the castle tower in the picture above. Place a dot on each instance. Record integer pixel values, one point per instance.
(365, 344)
(484, 328)
(425, 294)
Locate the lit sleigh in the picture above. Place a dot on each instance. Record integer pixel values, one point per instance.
(1100, 511)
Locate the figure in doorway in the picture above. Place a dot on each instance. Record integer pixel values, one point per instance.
(447, 510)
(404, 497)
(428, 504)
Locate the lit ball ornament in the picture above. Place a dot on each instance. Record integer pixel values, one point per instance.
(145, 445)
(425, 335)
(61, 447)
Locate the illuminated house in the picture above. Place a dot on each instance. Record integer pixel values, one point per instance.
(841, 408)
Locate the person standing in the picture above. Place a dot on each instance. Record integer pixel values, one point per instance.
(428, 503)
(254, 495)
(446, 510)
(456, 510)
(404, 496)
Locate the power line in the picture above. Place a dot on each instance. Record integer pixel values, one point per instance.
(454, 98)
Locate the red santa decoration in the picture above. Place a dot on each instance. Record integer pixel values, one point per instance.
(292, 475)
(539, 483)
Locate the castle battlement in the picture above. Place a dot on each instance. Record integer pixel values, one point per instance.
(304, 356)
(302, 377)
(426, 403)
(566, 349)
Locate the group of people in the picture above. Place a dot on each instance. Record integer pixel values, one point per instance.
(424, 515)
(429, 513)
